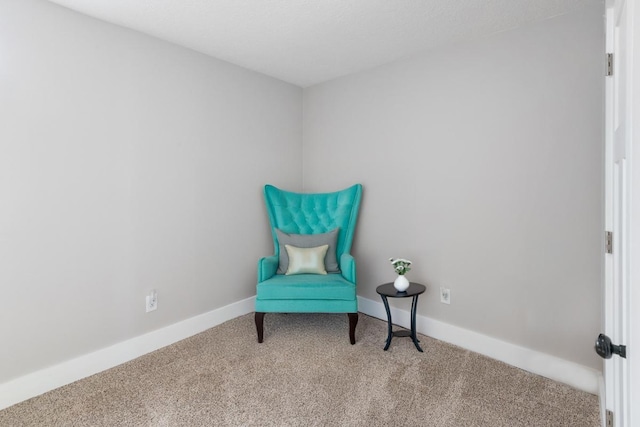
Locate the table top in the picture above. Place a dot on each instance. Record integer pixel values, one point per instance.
(389, 291)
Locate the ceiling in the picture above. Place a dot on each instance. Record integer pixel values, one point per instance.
(306, 42)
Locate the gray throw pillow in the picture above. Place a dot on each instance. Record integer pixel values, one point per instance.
(309, 241)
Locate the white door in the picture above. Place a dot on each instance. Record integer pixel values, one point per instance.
(618, 185)
(634, 255)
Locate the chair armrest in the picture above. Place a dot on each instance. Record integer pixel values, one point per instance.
(267, 267)
(348, 267)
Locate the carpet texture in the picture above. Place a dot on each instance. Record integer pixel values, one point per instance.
(307, 374)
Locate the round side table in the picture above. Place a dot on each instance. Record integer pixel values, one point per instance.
(388, 291)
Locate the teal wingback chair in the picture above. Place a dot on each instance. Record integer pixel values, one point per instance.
(303, 217)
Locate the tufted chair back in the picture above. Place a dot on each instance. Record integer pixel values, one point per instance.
(314, 213)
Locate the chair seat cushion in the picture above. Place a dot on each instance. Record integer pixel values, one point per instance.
(307, 287)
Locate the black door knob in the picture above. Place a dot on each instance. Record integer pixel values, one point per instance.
(605, 348)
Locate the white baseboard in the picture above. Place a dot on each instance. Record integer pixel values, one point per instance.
(573, 374)
(47, 379)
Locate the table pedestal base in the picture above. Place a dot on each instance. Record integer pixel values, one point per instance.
(402, 333)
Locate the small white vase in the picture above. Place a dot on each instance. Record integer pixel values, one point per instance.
(401, 283)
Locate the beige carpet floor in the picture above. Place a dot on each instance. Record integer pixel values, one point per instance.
(307, 374)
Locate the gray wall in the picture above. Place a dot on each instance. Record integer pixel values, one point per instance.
(126, 164)
(481, 162)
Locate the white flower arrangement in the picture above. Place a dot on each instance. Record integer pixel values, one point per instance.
(401, 265)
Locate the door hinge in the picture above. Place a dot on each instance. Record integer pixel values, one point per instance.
(609, 418)
(608, 242)
(609, 64)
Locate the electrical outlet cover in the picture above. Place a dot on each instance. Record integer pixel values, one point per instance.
(152, 301)
(445, 295)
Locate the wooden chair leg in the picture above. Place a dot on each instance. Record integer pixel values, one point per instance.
(353, 321)
(260, 326)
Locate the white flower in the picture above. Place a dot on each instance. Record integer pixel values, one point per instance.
(401, 265)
